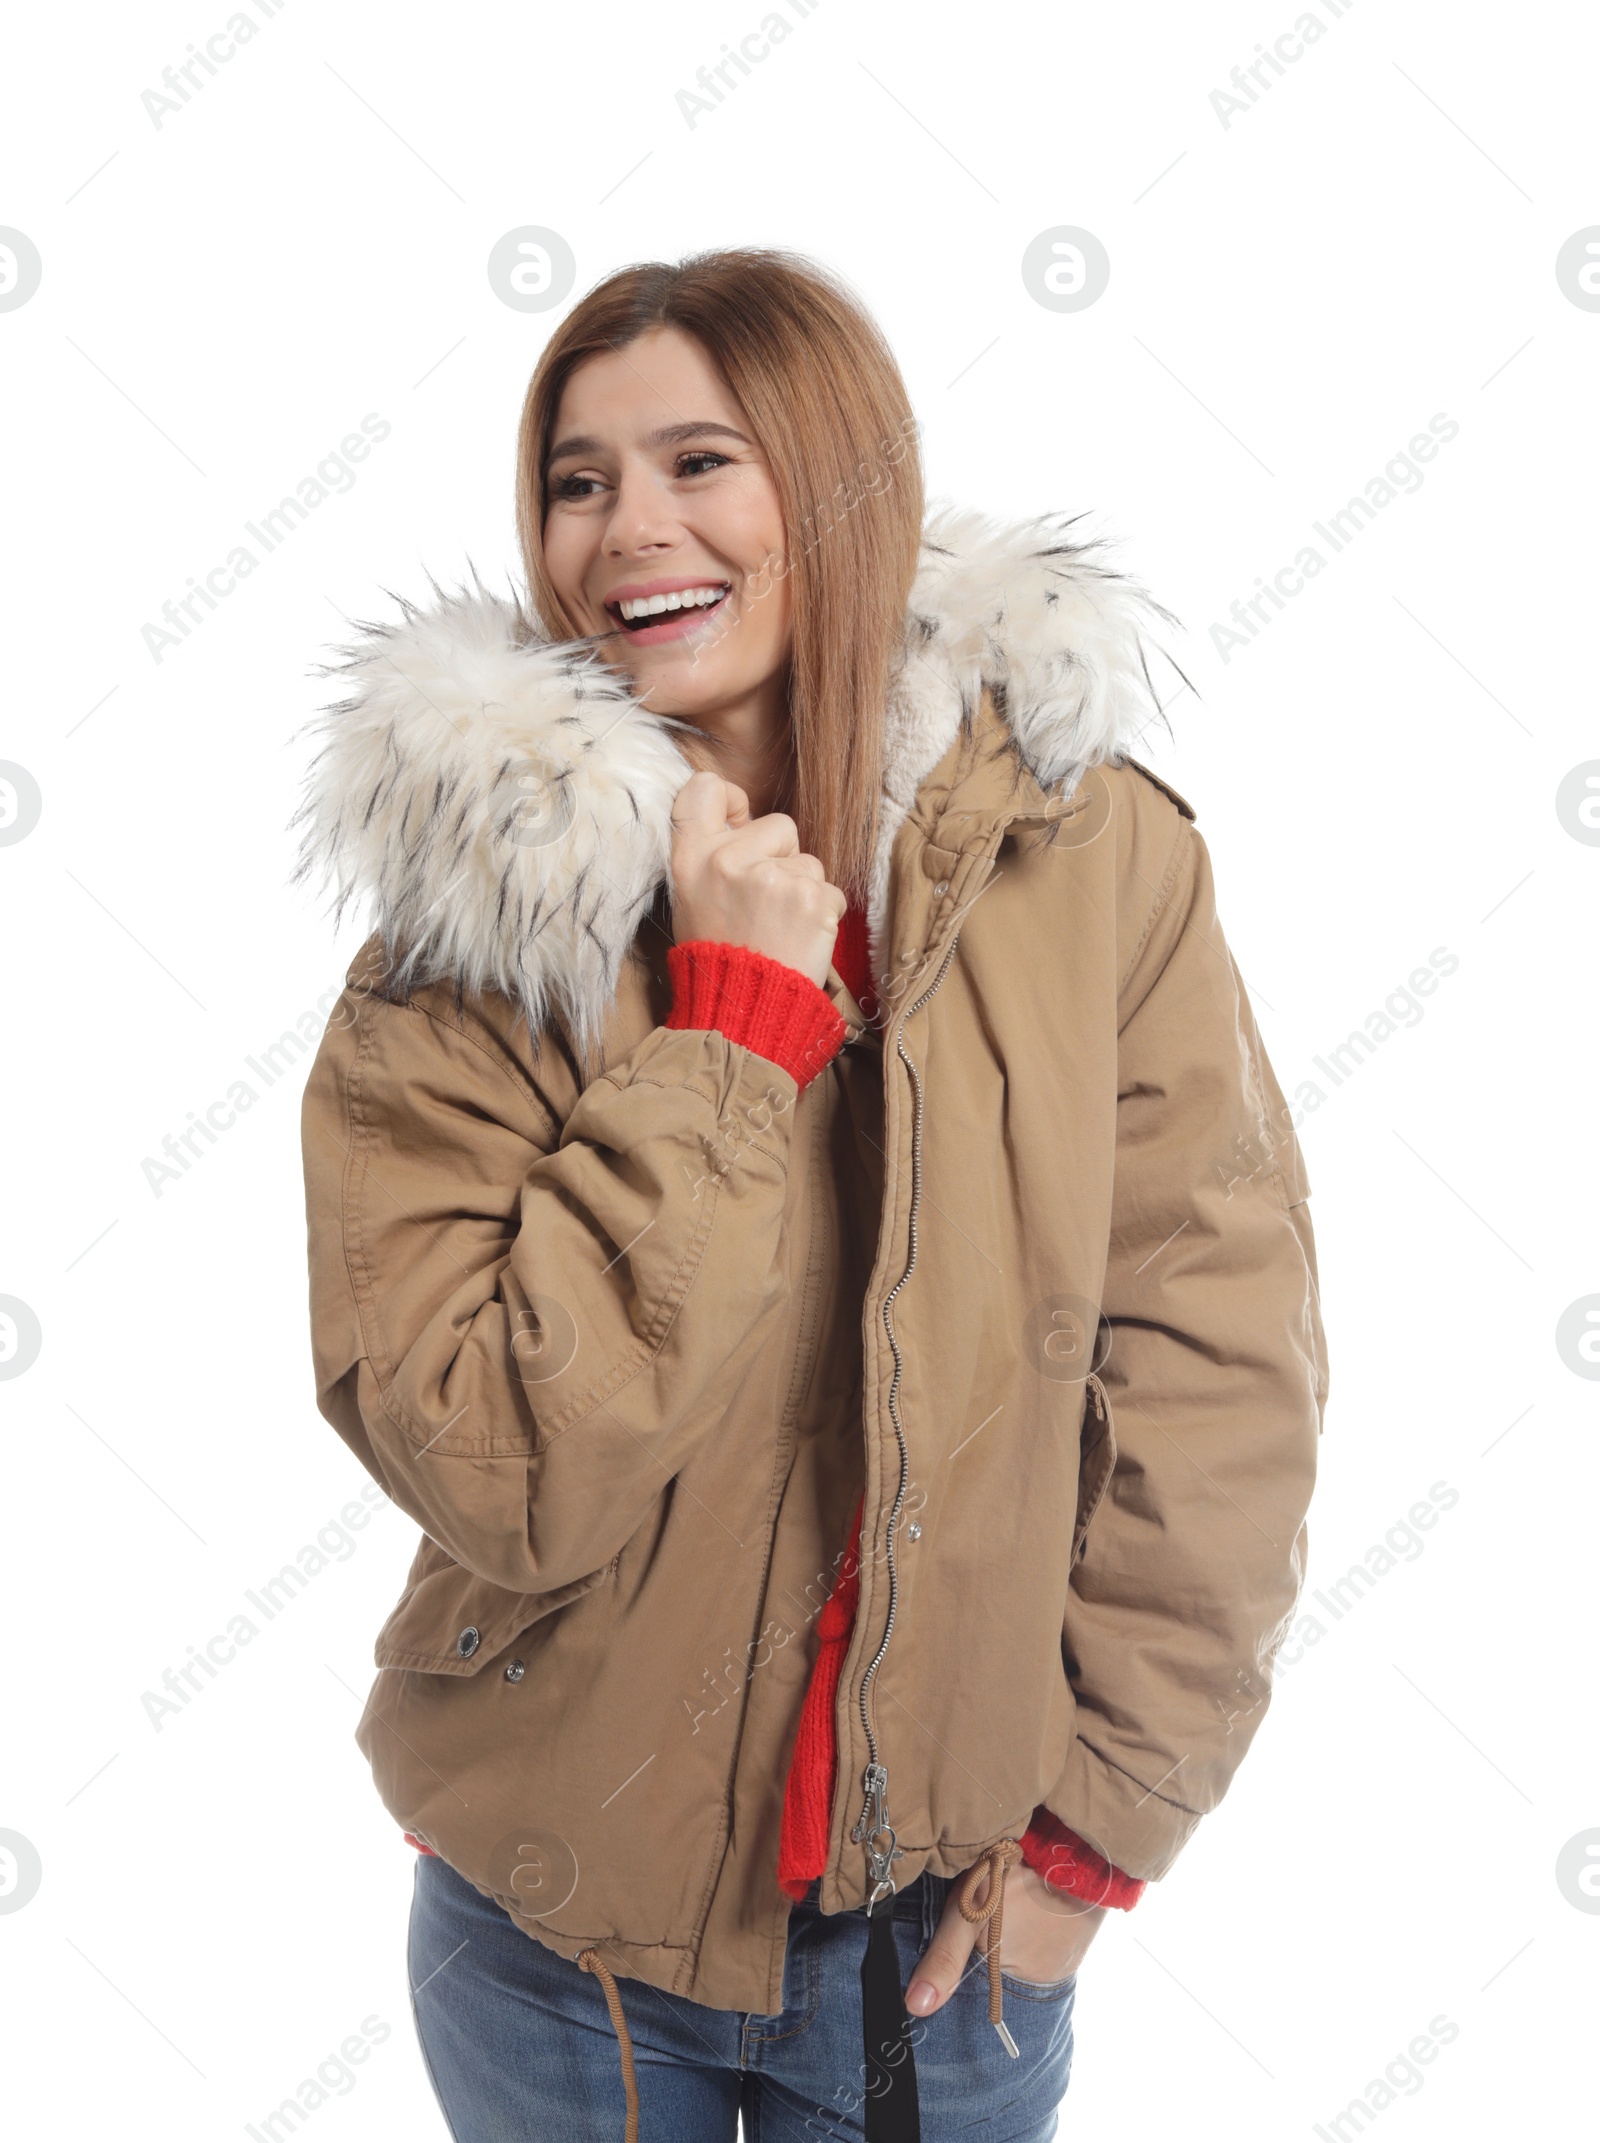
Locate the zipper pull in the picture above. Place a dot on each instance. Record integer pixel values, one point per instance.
(876, 1781)
(873, 1825)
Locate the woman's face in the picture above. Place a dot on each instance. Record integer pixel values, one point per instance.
(654, 488)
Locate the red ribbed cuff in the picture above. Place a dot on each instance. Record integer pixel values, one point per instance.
(756, 1001)
(1067, 1863)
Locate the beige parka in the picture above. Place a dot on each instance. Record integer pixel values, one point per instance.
(624, 1321)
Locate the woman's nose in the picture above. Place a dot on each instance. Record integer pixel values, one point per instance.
(642, 519)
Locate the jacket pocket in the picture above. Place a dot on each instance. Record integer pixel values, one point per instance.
(449, 1621)
(1097, 1458)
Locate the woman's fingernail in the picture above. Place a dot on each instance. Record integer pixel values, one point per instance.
(922, 1997)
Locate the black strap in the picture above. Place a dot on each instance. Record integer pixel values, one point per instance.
(891, 2067)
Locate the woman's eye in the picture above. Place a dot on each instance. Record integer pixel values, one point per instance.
(699, 461)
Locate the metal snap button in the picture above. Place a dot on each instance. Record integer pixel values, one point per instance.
(467, 1642)
(515, 1671)
(941, 889)
(913, 1531)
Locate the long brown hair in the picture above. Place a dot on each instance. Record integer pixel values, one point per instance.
(826, 403)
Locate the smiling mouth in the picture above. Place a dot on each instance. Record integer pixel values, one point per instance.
(682, 607)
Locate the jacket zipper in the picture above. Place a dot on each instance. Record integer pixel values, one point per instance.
(873, 1829)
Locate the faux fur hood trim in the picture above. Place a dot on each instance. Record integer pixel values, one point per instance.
(502, 802)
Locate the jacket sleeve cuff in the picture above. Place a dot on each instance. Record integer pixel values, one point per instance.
(1067, 1863)
(1117, 1812)
(760, 1003)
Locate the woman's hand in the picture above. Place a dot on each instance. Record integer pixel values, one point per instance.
(1044, 1936)
(743, 881)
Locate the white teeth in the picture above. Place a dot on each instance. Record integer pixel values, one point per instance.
(649, 606)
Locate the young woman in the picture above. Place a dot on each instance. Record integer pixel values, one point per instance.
(801, 1218)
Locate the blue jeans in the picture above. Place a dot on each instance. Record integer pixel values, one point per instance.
(520, 2049)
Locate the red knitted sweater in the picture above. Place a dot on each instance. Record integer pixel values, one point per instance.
(780, 1014)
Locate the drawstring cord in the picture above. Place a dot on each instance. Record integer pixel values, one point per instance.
(1003, 1854)
(590, 1960)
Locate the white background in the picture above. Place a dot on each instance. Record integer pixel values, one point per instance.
(1293, 296)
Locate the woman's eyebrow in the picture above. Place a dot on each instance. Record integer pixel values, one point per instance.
(666, 435)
